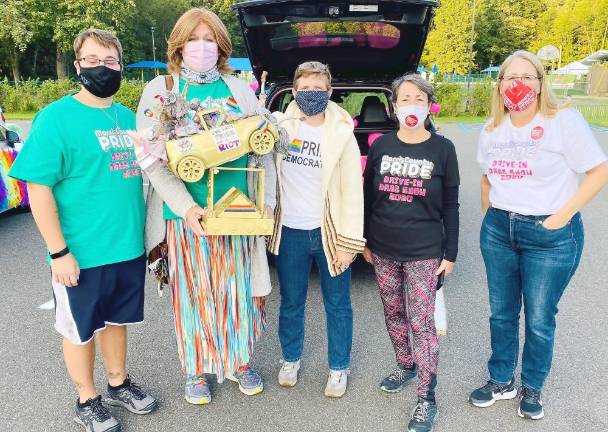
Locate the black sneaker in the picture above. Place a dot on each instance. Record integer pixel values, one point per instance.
(95, 417)
(423, 416)
(132, 397)
(398, 378)
(491, 392)
(530, 404)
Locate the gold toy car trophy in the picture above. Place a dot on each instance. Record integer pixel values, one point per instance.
(220, 141)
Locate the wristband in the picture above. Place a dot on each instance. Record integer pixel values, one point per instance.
(60, 254)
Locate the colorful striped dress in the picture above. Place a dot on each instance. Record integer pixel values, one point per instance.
(217, 321)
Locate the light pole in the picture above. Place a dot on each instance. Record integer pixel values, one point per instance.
(154, 50)
(605, 33)
(466, 105)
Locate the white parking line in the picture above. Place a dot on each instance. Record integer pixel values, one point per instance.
(48, 305)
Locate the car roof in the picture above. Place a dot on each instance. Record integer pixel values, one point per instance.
(359, 39)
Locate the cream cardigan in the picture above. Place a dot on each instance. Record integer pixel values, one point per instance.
(341, 186)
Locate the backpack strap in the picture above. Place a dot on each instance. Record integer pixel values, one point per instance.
(169, 82)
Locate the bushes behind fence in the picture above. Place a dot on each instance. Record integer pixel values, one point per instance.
(32, 95)
(452, 98)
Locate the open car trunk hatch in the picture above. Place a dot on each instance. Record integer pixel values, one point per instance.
(360, 40)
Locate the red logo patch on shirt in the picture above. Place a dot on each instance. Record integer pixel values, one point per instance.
(537, 133)
(411, 120)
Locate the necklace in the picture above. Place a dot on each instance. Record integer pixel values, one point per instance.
(115, 119)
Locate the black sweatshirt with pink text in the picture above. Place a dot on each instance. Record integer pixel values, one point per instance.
(411, 199)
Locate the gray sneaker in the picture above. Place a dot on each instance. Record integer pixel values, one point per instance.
(132, 397)
(423, 416)
(197, 390)
(288, 375)
(250, 382)
(398, 378)
(336, 383)
(95, 417)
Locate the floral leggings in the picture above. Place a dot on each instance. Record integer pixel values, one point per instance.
(408, 292)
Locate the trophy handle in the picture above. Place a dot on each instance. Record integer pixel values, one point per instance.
(210, 191)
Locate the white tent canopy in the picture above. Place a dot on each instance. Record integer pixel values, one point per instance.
(574, 68)
(601, 55)
(583, 66)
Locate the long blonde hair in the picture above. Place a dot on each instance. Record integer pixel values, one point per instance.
(184, 27)
(547, 102)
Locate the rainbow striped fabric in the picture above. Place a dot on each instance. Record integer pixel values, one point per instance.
(296, 146)
(13, 193)
(264, 124)
(232, 105)
(217, 321)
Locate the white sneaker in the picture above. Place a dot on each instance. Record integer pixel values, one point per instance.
(288, 375)
(336, 383)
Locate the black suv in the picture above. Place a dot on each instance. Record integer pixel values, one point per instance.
(366, 43)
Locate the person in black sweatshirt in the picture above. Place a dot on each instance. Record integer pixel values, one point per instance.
(411, 185)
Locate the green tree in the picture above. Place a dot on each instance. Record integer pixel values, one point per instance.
(19, 23)
(577, 26)
(504, 26)
(68, 17)
(448, 44)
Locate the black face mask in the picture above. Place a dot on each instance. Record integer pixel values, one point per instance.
(100, 80)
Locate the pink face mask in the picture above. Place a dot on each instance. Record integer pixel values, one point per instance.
(200, 55)
(519, 97)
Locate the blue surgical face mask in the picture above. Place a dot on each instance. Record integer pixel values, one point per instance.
(312, 102)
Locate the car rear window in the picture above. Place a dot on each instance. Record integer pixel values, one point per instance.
(350, 100)
(376, 35)
(353, 101)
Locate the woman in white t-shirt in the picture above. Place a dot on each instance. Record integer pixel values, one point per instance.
(533, 153)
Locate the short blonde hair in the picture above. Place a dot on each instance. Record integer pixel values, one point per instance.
(102, 37)
(185, 25)
(548, 104)
(312, 68)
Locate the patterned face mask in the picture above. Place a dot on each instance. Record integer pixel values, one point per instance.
(312, 102)
(519, 97)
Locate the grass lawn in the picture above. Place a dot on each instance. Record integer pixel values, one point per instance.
(602, 123)
(471, 119)
(26, 115)
(590, 100)
(459, 119)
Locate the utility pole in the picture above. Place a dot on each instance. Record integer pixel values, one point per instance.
(466, 106)
(604, 38)
(154, 50)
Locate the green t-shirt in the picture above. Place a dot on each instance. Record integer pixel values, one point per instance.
(85, 156)
(215, 94)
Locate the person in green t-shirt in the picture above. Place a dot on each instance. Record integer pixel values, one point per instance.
(86, 196)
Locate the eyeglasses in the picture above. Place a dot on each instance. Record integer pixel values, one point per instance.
(92, 61)
(526, 79)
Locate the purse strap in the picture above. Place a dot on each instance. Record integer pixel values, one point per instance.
(169, 82)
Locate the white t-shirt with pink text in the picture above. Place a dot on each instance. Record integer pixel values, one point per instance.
(535, 169)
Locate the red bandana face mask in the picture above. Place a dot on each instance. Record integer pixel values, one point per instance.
(519, 97)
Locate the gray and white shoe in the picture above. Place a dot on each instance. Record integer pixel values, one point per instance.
(131, 397)
(197, 390)
(488, 394)
(336, 383)
(95, 417)
(288, 375)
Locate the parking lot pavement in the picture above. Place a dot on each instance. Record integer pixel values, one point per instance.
(36, 394)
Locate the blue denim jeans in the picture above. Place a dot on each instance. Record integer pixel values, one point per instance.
(526, 262)
(297, 251)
